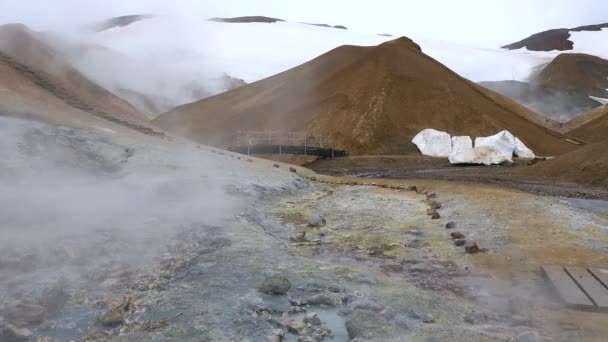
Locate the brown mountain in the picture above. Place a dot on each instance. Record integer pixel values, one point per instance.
(556, 39)
(576, 72)
(25, 48)
(372, 100)
(591, 126)
(588, 165)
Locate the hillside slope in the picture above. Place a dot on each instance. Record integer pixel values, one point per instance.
(372, 100)
(591, 126)
(588, 165)
(23, 46)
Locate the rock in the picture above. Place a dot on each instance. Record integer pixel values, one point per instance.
(316, 221)
(275, 285)
(469, 319)
(388, 313)
(12, 333)
(435, 216)
(412, 188)
(451, 225)
(365, 324)
(457, 235)
(277, 336)
(528, 336)
(471, 247)
(369, 305)
(112, 318)
(25, 314)
(293, 169)
(295, 327)
(276, 166)
(460, 242)
(431, 195)
(435, 205)
(428, 318)
(312, 319)
(299, 237)
(324, 299)
(275, 303)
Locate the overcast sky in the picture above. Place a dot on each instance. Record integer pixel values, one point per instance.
(467, 21)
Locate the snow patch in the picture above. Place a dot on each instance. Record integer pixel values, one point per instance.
(433, 143)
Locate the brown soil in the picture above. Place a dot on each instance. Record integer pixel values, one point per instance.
(248, 19)
(591, 126)
(371, 100)
(553, 103)
(556, 39)
(588, 165)
(41, 86)
(517, 176)
(22, 46)
(576, 72)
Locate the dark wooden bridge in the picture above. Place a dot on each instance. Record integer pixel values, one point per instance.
(280, 142)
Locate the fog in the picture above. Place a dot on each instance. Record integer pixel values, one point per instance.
(472, 21)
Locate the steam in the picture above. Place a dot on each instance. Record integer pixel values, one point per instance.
(73, 200)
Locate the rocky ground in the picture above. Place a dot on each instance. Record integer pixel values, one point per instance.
(307, 257)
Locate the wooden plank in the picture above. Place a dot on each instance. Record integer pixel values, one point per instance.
(600, 274)
(592, 288)
(566, 287)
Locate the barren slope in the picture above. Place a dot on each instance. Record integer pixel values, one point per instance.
(591, 126)
(577, 72)
(372, 100)
(23, 46)
(588, 165)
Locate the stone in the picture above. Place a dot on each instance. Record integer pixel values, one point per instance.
(276, 166)
(451, 225)
(275, 285)
(299, 237)
(431, 195)
(428, 318)
(295, 327)
(460, 242)
(12, 333)
(26, 314)
(412, 188)
(365, 324)
(457, 235)
(435, 216)
(316, 221)
(324, 299)
(469, 319)
(471, 247)
(528, 336)
(293, 169)
(435, 205)
(112, 318)
(312, 318)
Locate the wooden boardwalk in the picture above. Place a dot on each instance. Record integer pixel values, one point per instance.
(579, 287)
(281, 149)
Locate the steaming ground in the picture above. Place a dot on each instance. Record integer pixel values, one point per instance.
(118, 237)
